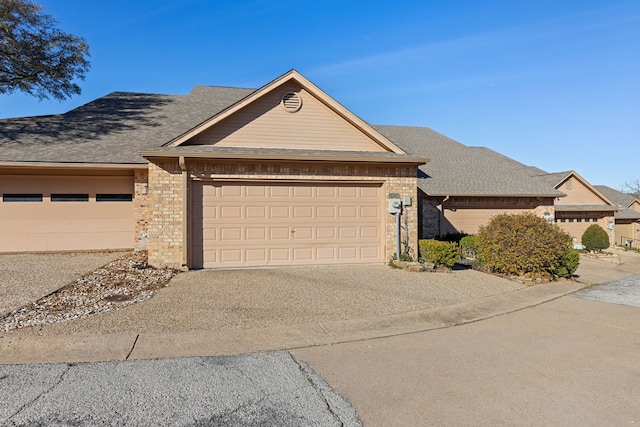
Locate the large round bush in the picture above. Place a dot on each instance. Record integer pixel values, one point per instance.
(525, 243)
(595, 238)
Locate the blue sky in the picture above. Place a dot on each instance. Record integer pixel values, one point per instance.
(553, 84)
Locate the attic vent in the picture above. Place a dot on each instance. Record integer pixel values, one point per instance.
(291, 102)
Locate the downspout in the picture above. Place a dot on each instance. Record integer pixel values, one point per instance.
(398, 234)
(185, 218)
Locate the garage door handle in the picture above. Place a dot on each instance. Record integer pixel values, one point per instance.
(293, 231)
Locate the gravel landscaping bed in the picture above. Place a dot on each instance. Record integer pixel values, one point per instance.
(122, 282)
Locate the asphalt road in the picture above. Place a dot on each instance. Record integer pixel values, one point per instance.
(570, 361)
(253, 390)
(623, 291)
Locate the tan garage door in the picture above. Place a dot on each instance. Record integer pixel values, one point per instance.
(53, 213)
(264, 224)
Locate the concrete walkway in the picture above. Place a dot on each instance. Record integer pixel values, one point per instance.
(22, 349)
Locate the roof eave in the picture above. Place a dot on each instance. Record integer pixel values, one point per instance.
(284, 157)
(72, 165)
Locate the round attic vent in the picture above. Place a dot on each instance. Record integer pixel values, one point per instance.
(291, 102)
(569, 184)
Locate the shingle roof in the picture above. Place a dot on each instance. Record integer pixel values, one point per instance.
(585, 208)
(627, 214)
(621, 199)
(112, 129)
(458, 170)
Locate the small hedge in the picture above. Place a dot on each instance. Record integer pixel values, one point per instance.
(469, 246)
(440, 253)
(595, 238)
(526, 244)
(569, 264)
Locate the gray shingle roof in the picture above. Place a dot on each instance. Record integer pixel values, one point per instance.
(621, 199)
(112, 129)
(627, 214)
(458, 170)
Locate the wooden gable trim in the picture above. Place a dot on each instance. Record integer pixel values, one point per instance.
(313, 90)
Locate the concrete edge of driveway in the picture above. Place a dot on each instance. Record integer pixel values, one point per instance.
(131, 346)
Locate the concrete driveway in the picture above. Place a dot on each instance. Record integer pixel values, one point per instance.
(210, 300)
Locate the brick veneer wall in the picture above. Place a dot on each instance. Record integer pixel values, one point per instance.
(165, 214)
(166, 222)
(141, 208)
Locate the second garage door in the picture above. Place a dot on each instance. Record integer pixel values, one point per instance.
(264, 224)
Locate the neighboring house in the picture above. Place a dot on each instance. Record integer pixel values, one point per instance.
(627, 219)
(221, 177)
(463, 187)
(583, 205)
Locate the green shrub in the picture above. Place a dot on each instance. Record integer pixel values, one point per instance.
(595, 238)
(523, 244)
(440, 253)
(469, 246)
(569, 264)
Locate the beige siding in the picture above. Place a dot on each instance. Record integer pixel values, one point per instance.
(266, 124)
(49, 226)
(257, 224)
(625, 233)
(576, 223)
(578, 194)
(470, 220)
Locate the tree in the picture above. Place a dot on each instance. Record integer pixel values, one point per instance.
(35, 56)
(632, 187)
(595, 238)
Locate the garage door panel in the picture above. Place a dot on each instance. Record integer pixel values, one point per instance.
(302, 254)
(326, 254)
(349, 253)
(346, 192)
(350, 212)
(231, 234)
(348, 232)
(279, 233)
(369, 232)
(256, 233)
(300, 233)
(288, 224)
(369, 212)
(302, 191)
(326, 192)
(325, 232)
(51, 225)
(325, 212)
(231, 212)
(370, 252)
(302, 212)
(256, 212)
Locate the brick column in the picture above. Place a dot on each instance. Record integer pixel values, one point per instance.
(165, 207)
(141, 208)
